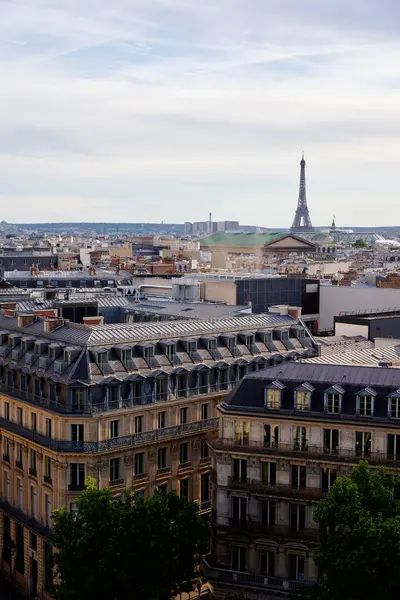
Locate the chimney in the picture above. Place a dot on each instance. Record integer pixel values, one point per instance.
(294, 311)
(48, 312)
(99, 320)
(8, 305)
(52, 323)
(25, 319)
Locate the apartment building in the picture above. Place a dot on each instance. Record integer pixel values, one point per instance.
(133, 406)
(285, 434)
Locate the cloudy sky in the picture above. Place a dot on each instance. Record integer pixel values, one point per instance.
(150, 110)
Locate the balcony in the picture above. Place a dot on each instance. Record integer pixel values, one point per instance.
(306, 451)
(205, 505)
(137, 439)
(276, 490)
(205, 462)
(6, 458)
(164, 471)
(78, 486)
(115, 482)
(140, 477)
(254, 527)
(251, 580)
(184, 466)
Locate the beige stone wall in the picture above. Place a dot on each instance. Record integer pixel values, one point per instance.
(220, 291)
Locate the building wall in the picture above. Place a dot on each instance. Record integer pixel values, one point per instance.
(335, 299)
(220, 291)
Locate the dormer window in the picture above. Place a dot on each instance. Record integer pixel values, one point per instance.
(272, 398)
(148, 352)
(170, 351)
(333, 399)
(302, 397)
(394, 405)
(365, 402)
(102, 358)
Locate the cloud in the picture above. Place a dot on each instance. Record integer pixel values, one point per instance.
(138, 108)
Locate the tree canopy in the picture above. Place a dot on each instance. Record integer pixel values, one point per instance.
(115, 549)
(359, 549)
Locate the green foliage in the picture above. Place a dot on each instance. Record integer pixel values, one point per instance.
(115, 549)
(359, 549)
(360, 244)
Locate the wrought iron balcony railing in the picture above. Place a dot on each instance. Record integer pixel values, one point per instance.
(136, 439)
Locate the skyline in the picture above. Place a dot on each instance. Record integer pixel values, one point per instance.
(170, 109)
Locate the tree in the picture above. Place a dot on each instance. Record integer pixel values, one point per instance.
(359, 548)
(361, 243)
(115, 549)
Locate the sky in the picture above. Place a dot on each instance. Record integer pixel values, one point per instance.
(165, 110)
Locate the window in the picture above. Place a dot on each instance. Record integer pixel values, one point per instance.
(33, 501)
(268, 512)
(183, 415)
(33, 460)
(7, 411)
(19, 493)
(271, 436)
(239, 509)
(47, 468)
(239, 556)
(73, 508)
(184, 488)
(333, 403)
(394, 408)
(297, 513)
(33, 541)
(170, 351)
(114, 469)
(363, 443)
(7, 539)
(242, 433)
(163, 489)
(204, 448)
(6, 451)
(78, 399)
(183, 453)
(267, 562)
(299, 476)
(268, 473)
(6, 485)
(34, 421)
(162, 458)
(329, 477)
(19, 455)
(204, 412)
(114, 430)
(300, 441)
(139, 463)
(205, 487)
(48, 566)
(272, 398)
(19, 548)
(365, 405)
(19, 416)
(240, 469)
(76, 476)
(302, 400)
(331, 441)
(48, 427)
(77, 433)
(139, 424)
(161, 420)
(48, 508)
(393, 446)
(296, 567)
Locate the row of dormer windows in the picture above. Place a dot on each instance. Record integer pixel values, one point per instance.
(365, 400)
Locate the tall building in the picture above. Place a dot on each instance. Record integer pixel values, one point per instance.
(285, 435)
(133, 406)
(302, 221)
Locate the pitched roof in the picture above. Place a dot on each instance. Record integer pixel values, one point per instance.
(239, 239)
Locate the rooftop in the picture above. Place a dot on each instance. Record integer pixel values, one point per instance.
(239, 239)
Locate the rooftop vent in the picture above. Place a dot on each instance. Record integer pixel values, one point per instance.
(385, 364)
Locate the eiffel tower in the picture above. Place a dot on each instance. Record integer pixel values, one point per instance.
(302, 221)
